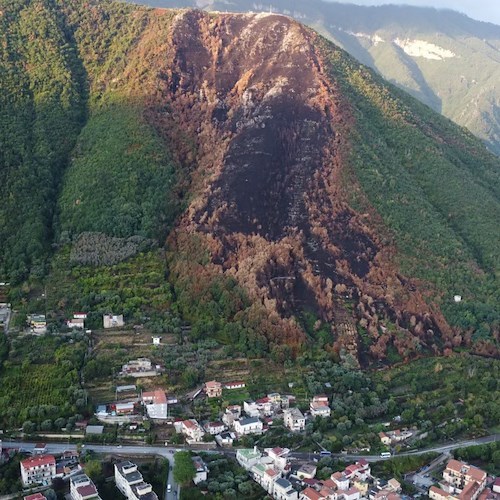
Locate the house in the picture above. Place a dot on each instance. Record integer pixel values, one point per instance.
(40, 449)
(192, 430)
(112, 320)
(156, 340)
(306, 471)
(213, 389)
(156, 404)
(124, 408)
(319, 406)
(37, 323)
(81, 487)
(279, 456)
(294, 419)
(251, 408)
(234, 385)
(436, 493)
(140, 367)
(341, 482)
(78, 321)
(269, 478)
(251, 425)
(460, 477)
(201, 470)
(394, 485)
(360, 470)
(351, 494)
(248, 457)
(283, 490)
(310, 494)
(384, 438)
(129, 481)
(214, 428)
(38, 470)
(225, 439)
(496, 485)
(232, 413)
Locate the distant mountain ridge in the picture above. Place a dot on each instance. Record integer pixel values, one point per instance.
(443, 58)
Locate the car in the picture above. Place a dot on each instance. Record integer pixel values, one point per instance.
(169, 488)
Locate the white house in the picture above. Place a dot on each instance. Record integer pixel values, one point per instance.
(82, 488)
(251, 425)
(225, 438)
(306, 471)
(40, 469)
(319, 406)
(113, 320)
(340, 480)
(129, 481)
(248, 457)
(214, 428)
(251, 408)
(201, 470)
(232, 413)
(156, 404)
(294, 419)
(283, 490)
(279, 456)
(192, 429)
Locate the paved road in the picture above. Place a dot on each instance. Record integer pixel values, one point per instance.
(125, 451)
(167, 452)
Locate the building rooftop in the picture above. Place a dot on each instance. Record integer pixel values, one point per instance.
(249, 421)
(39, 461)
(283, 483)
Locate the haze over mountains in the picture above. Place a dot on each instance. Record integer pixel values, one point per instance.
(447, 60)
(301, 199)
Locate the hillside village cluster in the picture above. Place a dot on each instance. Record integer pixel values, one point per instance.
(273, 469)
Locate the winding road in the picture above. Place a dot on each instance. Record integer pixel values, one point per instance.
(128, 451)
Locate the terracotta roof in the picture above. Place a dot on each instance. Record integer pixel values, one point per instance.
(476, 474)
(213, 383)
(311, 494)
(455, 465)
(272, 472)
(158, 396)
(438, 491)
(330, 484)
(38, 461)
(89, 489)
(469, 491)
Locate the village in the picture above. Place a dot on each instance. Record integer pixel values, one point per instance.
(220, 418)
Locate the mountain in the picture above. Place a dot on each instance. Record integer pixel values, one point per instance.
(303, 201)
(443, 58)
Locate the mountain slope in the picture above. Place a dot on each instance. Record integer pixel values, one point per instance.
(445, 59)
(322, 207)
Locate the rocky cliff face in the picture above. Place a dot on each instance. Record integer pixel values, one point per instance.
(248, 93)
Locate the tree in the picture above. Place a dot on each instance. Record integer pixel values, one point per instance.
(184, 470)
(93, 469)
(28, 427)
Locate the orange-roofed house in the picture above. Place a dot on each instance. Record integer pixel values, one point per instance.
(458, 476)
(38, 470)
(310, 494)
(213, 389)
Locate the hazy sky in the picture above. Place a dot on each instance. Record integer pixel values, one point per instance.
(484, 10)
